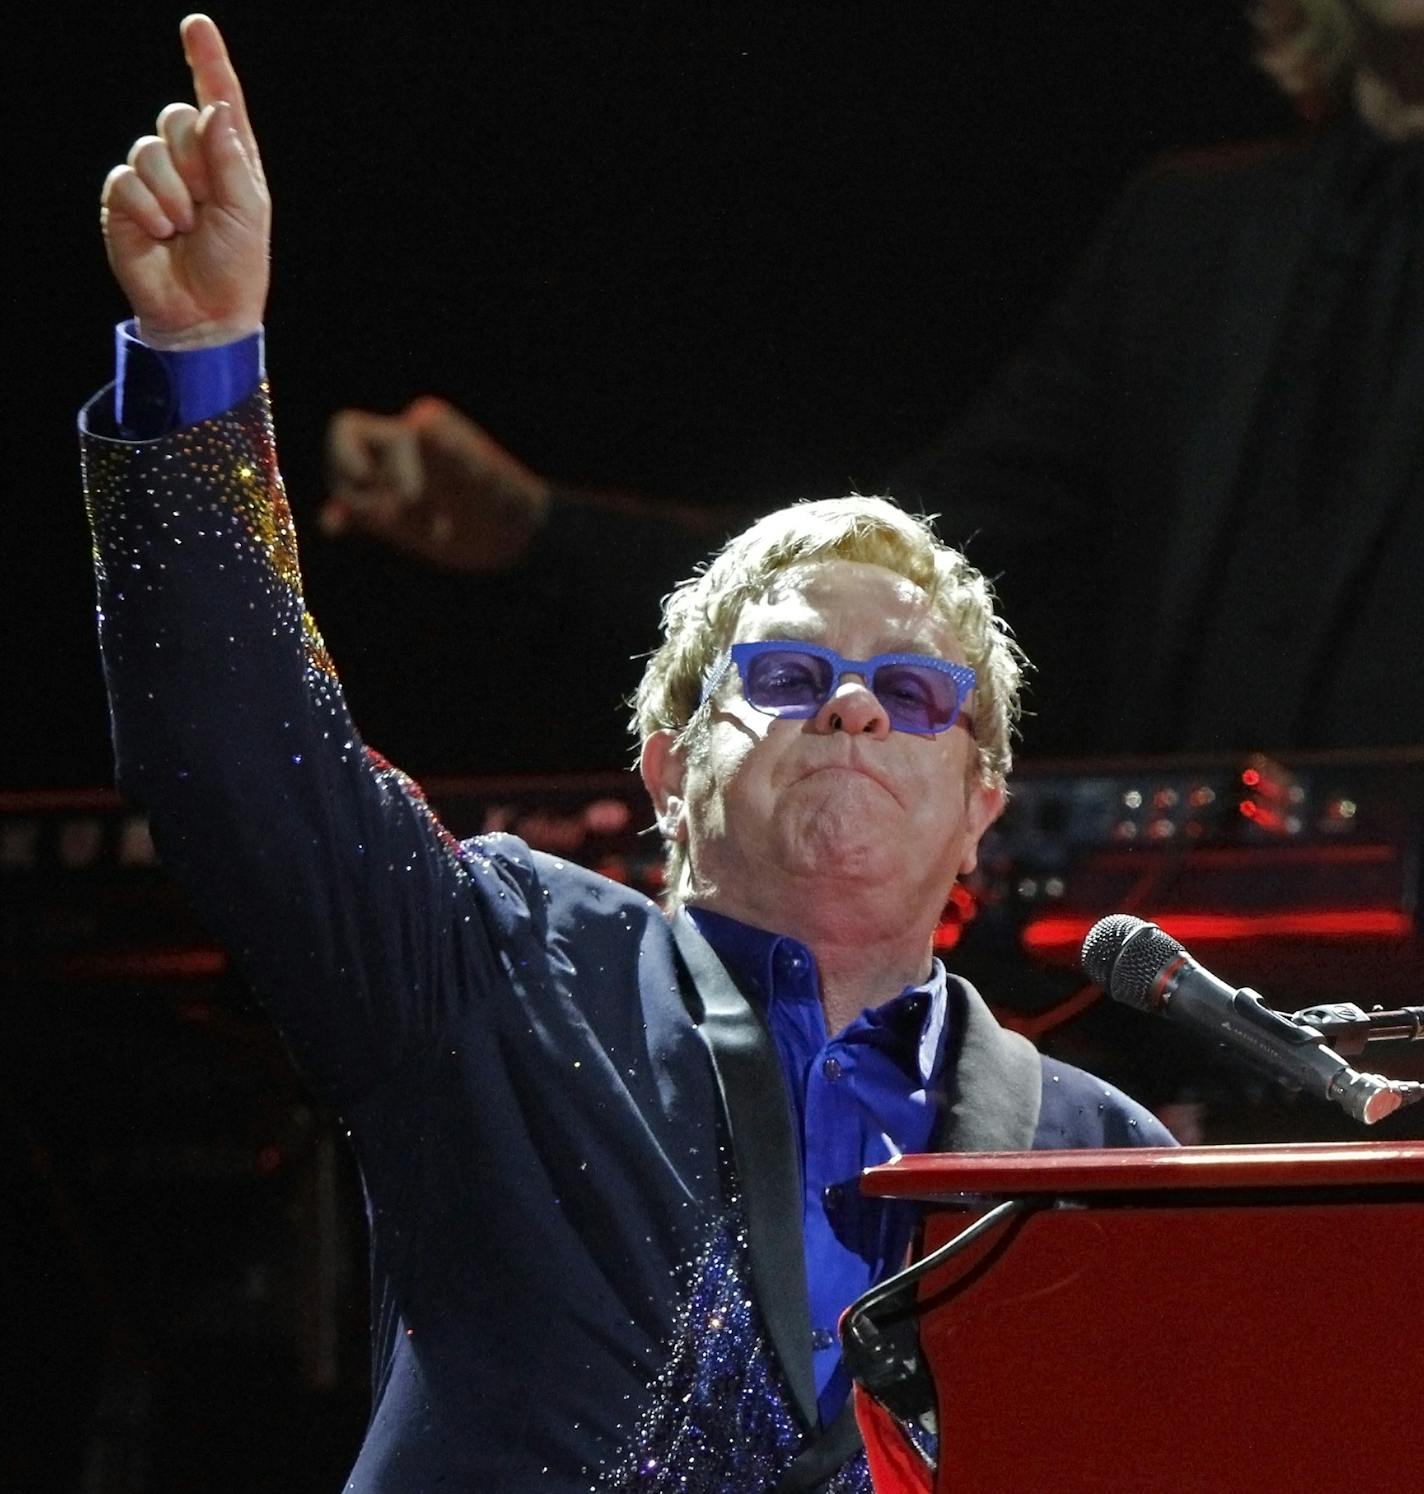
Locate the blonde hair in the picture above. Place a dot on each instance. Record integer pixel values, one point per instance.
(1310, 48)
(700, 617)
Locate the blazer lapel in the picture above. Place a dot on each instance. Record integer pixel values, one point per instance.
(995, 1088)
(766, 1155)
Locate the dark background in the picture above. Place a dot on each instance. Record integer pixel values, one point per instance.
(741, 254)
(733, 253)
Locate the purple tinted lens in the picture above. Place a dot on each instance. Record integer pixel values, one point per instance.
(786, 682)
(915, 696)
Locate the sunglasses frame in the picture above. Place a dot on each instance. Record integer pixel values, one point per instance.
(961, 676)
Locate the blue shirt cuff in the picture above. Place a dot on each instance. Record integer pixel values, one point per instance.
(157, 392)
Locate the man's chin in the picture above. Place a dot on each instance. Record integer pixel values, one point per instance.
(847, 861)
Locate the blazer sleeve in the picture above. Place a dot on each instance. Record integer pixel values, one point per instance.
(357, 918)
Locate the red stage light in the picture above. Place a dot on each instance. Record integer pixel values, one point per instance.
(1068, 932)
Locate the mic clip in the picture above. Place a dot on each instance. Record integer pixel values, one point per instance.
(1349, 1027)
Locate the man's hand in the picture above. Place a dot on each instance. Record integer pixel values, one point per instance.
(187, 221)
(431, 483)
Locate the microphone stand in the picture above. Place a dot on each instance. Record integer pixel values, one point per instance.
(1340, 1030)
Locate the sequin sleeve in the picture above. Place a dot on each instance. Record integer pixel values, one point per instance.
(355, 915)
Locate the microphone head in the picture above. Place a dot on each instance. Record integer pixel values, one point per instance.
(1125, 955)
(1104, 942)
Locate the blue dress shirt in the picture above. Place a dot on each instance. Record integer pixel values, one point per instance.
(858, 1097)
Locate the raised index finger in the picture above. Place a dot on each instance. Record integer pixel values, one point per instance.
(214, 79)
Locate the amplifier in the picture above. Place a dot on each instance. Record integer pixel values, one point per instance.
(1304, 871)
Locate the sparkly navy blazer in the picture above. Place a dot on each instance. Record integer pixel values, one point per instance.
(561, 1251)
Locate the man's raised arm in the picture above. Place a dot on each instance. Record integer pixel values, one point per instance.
(316, 864)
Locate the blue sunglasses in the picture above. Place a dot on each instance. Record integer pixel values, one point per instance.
(783, 677)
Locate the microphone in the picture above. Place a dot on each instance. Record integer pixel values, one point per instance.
(1140, 965)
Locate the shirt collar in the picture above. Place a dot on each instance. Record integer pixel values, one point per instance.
(776, 971)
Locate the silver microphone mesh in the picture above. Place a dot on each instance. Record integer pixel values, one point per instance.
(1105, 939)
(1125, 954)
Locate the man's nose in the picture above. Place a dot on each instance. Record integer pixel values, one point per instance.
(853, 707)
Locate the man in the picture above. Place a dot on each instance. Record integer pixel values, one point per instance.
(610, 1156)
(1206, 469)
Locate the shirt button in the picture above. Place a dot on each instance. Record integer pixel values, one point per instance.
(832, 1198)
(822, 1338)
(790, 962)
(831, 1068)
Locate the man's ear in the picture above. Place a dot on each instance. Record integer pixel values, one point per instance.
(663, 765)
(983, 806)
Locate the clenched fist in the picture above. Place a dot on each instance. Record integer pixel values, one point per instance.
(432, 483)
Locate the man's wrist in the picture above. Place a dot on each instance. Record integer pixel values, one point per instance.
(198, 339)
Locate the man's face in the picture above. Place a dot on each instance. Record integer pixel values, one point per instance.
(838, 801)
